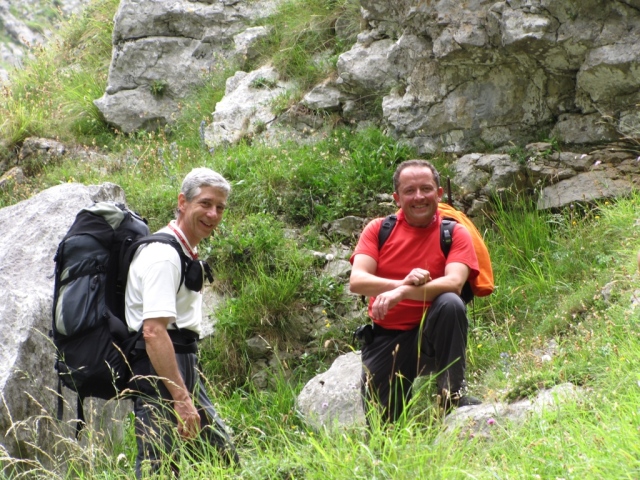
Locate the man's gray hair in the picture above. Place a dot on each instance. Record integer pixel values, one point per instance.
(203, 177)
(414, 163)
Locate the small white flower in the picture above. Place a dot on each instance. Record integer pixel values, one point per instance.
(598, 162)
(582, 156)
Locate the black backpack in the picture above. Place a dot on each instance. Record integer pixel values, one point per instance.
(92, 340)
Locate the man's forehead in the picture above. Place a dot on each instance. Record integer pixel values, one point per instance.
(416, 173)
(208, 192)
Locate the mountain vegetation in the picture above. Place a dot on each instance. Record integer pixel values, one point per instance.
(564, 310)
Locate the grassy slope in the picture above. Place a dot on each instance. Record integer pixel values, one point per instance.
(550, 272)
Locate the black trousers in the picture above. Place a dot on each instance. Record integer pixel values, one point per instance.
(396, 357)
(156, 434)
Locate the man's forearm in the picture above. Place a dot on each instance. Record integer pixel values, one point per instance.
(430, 290)
(370, 285)
(162, 356)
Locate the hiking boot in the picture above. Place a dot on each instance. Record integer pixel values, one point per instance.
(468, 401)
(448, 402)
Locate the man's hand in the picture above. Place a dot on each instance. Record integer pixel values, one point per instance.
(188, 418)
(386, 301)
(417, 276)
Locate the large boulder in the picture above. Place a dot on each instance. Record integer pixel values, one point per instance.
(163, 49)
(32, 230)
(332, 398)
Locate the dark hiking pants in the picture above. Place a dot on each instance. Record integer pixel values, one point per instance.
(156, 432)
(396, 357)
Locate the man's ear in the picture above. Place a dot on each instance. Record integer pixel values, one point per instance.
(182, 200)
(396, 197)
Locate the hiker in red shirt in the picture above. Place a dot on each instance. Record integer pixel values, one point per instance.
(419, 319)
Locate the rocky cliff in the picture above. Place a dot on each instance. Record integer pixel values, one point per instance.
(449, 74)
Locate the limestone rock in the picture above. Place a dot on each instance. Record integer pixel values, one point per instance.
(15, 175)
(332, 398)
(584, 187)
(366, 68)
(245, 42)
(481, 420)
(246, 107)
(324, 97)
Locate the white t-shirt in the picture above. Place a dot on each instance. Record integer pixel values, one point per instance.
(154, 278)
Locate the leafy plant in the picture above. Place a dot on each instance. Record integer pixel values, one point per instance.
(158, 88)
(261, 82)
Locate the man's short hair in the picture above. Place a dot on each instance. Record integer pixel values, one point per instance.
(203, 177)
(414, 163)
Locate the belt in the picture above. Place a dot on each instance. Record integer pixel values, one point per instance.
(184, 341)
(378, 330)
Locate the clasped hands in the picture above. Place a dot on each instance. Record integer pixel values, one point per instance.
(387, 300)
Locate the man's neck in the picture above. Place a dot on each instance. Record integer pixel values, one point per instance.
(189, 244)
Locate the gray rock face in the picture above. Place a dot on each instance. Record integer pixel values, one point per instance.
(482, 420)
(162, 49)
(501, 71)
(32, 230)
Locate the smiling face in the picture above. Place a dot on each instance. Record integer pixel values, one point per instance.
(418, 195)
(199, 217)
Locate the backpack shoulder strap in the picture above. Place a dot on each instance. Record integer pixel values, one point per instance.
(446, 239)
(385, 229)
(446, 235)
(165, 238)
(383, 234)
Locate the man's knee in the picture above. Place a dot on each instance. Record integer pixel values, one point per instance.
(447, 314)
(449, 301)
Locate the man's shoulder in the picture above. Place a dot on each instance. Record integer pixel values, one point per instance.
(377, 221)
(154, 252)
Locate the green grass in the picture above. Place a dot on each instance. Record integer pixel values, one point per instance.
(302, 43)
(551, 270)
